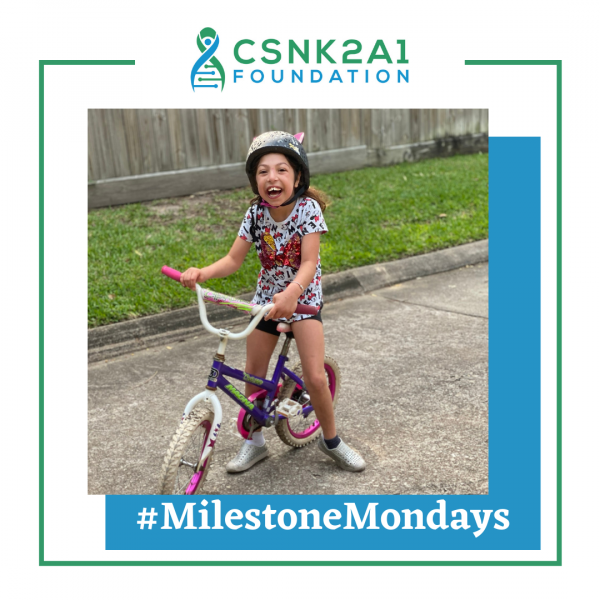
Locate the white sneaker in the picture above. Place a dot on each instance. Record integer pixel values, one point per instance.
(345, 457)
(248, 456)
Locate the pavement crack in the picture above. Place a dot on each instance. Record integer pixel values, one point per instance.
(141, 382)
(454, 312)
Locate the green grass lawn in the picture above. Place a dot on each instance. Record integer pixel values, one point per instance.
(376, 215)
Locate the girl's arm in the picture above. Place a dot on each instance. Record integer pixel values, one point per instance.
(285, 302)
(222, 268)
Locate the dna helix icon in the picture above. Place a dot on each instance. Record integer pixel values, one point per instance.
(208, 42)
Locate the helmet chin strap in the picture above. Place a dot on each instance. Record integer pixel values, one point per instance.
(300, 191)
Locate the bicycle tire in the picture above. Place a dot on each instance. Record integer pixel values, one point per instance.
(180, 475)
(301, 431)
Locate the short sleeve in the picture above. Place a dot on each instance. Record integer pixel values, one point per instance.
(312, 221)
(245, 231)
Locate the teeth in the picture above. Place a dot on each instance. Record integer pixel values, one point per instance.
(274, 189)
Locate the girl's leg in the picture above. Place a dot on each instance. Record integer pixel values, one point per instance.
(311, 347)
(259, 348)
(310, 342)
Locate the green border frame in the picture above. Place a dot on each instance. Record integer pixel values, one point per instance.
(86, 563)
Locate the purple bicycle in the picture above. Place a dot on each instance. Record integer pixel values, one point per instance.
(282, 401)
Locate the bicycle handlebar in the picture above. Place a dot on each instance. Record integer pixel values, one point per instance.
(301, 309)
(172, 273)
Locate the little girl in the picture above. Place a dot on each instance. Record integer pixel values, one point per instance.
(284, 222)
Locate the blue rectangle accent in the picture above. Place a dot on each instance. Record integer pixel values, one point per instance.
(514, 303)
(514, 398)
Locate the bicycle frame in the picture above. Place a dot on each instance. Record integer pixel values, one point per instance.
(262, 415)
(219, 371)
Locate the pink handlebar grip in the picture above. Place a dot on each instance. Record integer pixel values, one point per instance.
(172, 273)
(304, 309)
(301, 309)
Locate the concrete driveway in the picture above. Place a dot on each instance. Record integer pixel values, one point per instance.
(414, 400)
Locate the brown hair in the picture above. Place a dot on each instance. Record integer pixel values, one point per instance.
(317, 195)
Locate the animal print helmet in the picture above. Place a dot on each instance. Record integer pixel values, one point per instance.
(282, 143)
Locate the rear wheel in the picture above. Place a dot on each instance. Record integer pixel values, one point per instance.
(303, 429)
(182, 472)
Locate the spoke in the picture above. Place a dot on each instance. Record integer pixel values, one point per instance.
(187, 464)
(190, 459)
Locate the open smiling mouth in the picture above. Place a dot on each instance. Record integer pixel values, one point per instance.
(274, 193)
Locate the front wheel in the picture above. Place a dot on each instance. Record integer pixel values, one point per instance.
(182, 472)
(303, 429)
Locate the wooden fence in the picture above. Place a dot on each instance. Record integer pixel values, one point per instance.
(136, 155)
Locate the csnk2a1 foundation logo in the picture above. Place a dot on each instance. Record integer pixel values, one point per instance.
(301, 62)
(208, 64)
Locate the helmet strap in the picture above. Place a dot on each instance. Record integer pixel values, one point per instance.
(300, 191)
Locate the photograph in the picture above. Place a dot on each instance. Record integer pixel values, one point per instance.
(288, 301)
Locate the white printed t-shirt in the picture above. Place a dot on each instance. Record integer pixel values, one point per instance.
(279, 249)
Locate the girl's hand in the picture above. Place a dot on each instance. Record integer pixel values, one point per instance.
(284, 306)
(193, 276)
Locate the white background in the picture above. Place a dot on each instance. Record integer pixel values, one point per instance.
(161, 38)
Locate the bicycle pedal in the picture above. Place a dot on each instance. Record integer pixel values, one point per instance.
(288, 409)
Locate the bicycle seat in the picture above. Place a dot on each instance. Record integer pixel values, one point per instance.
(285, 328)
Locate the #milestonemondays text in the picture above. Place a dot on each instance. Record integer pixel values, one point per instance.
(210, 516)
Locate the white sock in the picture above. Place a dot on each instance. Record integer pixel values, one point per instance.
(258, 439)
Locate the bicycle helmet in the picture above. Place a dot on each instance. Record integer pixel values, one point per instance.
(282, 143)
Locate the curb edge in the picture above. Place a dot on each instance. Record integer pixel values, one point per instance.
(110, 341)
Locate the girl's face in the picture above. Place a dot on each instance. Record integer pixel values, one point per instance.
(276, 179)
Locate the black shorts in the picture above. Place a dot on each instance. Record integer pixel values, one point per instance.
(271, 326)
